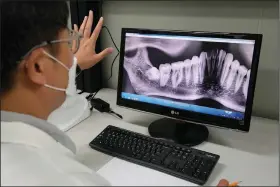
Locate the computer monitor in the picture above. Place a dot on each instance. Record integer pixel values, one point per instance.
(194, 79)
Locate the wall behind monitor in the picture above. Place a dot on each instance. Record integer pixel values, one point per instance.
(229, 16)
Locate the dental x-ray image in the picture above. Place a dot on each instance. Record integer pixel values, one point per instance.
(206, 73)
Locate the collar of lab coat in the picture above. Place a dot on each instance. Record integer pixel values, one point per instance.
(42, 125)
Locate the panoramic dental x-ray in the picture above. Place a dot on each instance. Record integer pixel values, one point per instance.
(207, 73)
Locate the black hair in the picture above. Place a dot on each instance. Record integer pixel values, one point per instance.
(25, 24)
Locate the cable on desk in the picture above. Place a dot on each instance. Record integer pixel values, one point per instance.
(91, 108)
(89, 96)
(111, 73)
(93, 95)
(116, 114)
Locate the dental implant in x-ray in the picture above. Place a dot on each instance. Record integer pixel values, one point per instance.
(213, 74)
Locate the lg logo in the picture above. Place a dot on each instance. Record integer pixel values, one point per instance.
(174, 112)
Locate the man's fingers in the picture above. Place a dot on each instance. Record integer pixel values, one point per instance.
(76, 28)
(96, 31)
(223, 182)
(88, 26)
(74, 42)
(103, 54)
(82, 27)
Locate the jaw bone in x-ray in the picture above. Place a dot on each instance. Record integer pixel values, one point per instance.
(213, 74)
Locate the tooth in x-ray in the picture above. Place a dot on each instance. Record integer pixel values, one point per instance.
(222, 56)
(246, 84)
(153, 74)
(232, 73)
(202, 65)
(188, 71)
(211, 61)
(177, 73)
(195, 67)
(208, 63)
(214, 61)
(165, 70)
(227, 63)
(240, 77)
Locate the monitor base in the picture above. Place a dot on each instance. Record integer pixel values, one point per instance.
(181, 132)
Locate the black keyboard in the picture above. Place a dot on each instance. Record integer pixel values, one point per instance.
(177, 160)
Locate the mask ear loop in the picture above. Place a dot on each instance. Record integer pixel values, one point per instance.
(58, 61)
(55, 88)
(55, 59)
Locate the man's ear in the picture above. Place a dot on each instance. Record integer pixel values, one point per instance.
(35, 67)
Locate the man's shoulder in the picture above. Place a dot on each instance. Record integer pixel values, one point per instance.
(27, 165)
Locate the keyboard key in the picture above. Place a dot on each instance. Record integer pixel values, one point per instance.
(203, 176)
(139, 156)
(196, 174)
(171, 166)
(181, 164)
(167, 161)
(188, 171)
(146, 158)
(158, 153)
(177, 167)
(156, 161)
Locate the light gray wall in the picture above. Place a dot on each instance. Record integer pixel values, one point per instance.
(231, 16)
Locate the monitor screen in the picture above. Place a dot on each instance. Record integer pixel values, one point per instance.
(203, 74)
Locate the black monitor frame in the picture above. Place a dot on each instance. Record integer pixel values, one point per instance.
(205, 119)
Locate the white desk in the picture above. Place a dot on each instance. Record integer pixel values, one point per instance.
(252, 158)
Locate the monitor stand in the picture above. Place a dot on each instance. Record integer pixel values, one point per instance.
(181, 132)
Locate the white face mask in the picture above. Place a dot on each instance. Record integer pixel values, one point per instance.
(71, 87)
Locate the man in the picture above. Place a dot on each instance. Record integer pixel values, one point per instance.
(37, 72)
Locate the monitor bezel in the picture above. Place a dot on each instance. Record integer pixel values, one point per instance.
(206, 119)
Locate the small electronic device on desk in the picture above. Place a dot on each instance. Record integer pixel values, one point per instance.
(103, 106)
(193, 79)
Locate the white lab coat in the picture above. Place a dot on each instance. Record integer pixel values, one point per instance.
(30, 156)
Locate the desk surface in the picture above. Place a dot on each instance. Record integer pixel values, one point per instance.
(252, 158)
